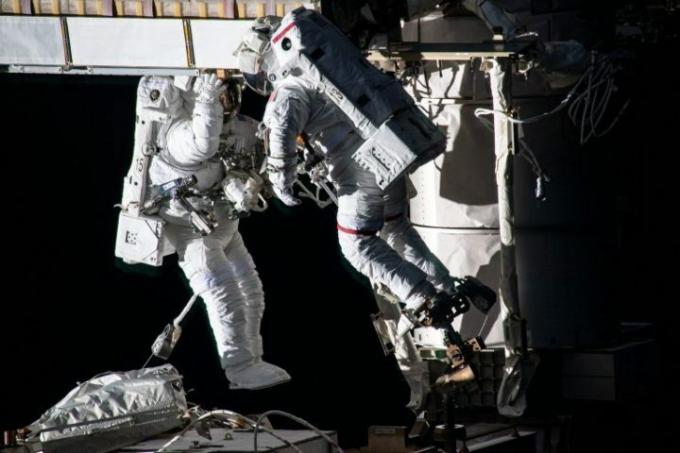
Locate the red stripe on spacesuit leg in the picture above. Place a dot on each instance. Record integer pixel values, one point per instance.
(368, 232)
(278, 37)
(356, 232)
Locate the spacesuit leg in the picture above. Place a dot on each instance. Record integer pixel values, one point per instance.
(412, 367)
(360, 217)
(210, 273)
(206, 267)
(256, 373)
(250, 288)
(400, 234)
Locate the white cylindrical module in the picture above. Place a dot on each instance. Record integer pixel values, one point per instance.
(559, 257)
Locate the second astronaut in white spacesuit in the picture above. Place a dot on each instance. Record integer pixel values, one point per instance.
(217, 265)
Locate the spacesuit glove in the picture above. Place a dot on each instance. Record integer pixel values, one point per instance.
(281, 172)
(285, 194)
(209, 88)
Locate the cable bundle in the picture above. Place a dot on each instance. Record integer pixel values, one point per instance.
(587, 101)
(588, 109)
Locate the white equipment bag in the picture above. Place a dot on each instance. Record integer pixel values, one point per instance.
(111, 411)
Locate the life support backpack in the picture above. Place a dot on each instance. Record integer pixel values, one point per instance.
(398, 136)
(140, 237)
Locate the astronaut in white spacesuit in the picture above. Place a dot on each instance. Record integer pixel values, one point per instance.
(374, 232)
(217, 265)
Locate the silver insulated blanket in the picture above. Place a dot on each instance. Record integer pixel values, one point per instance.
(113, 410)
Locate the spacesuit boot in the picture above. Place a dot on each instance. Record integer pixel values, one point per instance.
(256, 375)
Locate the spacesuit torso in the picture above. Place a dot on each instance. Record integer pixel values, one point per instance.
(168, 163)
(231, 165)
(188, 145)
(296, 106)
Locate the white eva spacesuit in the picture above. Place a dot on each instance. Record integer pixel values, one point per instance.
(374, 232)
(217, 265)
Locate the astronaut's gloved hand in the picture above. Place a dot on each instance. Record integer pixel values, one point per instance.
(285, 194)
(209, 88)
(282, 174)
(237, 193)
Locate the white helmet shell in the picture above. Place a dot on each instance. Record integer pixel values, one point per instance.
(255, 57)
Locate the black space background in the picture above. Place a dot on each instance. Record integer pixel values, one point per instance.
(69, 310)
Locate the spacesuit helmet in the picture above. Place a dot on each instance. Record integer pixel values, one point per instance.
(256, 59)
(231, 97)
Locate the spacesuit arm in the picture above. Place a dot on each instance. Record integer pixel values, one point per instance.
(286, 116)
(193, 141)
